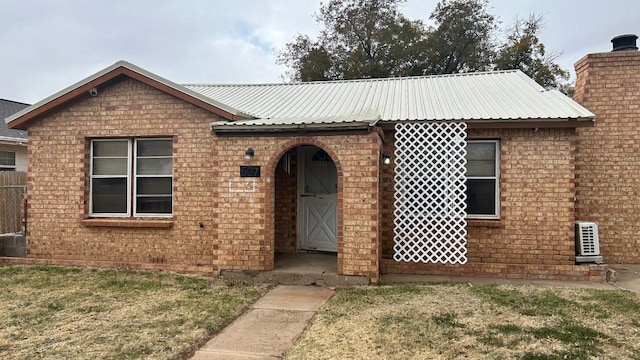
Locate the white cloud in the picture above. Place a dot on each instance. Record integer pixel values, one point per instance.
(236, 60)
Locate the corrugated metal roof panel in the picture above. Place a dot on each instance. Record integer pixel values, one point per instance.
(491, 96)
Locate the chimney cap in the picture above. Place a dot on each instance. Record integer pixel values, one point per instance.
(626, 42)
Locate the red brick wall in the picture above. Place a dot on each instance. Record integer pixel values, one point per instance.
(386, 197)
(608, 157)
(286, 205)
(238, 214)
(537, 208)
(58, 182)
(251, 247)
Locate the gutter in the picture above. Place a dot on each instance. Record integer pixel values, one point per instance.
(6, 140)
(300, 129)
(222, 127)
(506, 123)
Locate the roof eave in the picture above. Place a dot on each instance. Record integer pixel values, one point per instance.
(220, 128)
(23, 118)
(513, 123)
(534, 123)
(6, 140)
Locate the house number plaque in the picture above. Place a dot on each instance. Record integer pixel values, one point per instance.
(249, 171)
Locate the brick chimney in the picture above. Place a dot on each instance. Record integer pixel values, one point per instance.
(607, 68)
(608, 154)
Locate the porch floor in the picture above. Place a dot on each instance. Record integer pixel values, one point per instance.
(300, 269)
(307, 263)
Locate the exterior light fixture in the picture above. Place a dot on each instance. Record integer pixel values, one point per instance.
(248, 155)
(386, 159)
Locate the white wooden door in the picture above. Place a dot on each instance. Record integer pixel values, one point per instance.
(318, 201)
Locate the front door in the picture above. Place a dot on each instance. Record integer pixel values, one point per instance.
(318, 187)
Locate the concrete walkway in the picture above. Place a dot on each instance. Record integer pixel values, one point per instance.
(627, 277)
(270, 327)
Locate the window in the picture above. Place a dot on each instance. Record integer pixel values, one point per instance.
(7, 160)
(483, 187)
(131, 176)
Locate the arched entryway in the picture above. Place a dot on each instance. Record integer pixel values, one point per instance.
(306, 212)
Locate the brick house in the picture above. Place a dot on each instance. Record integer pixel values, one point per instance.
(470, 174)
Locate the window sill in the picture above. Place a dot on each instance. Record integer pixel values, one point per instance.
(129, 223)
(484, 223)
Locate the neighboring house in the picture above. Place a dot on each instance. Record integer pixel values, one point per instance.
(13, 143)
(470, 174)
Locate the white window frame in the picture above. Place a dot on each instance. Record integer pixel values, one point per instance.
(8, 167)
(127, 176)
(495, 178)
(136, 176)
(131, 177)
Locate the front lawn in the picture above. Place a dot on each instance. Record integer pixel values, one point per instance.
(455, 321)
(76, 313)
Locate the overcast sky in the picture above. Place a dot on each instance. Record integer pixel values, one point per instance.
(47, 45)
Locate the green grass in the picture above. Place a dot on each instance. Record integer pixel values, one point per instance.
(540, 303)
(617, 301)
(58, 312)
(446, 320)
(581, 342)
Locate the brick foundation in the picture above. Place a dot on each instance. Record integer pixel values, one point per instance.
(501, 270)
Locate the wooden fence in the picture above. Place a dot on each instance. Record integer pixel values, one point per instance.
(12, 192)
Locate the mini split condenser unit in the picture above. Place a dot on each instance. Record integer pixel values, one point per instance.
(587, 242)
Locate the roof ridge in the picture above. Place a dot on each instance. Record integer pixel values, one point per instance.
(341, 81)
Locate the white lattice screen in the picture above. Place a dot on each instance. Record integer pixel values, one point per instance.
(430, 207)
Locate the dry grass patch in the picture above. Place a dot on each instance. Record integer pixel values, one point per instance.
(63, 313)
(451, 321)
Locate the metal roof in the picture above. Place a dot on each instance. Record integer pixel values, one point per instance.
(485, 96)
(500, 96)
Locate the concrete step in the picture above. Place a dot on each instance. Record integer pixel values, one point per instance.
(294, 278)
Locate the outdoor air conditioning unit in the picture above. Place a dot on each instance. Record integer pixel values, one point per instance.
(587, 242)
